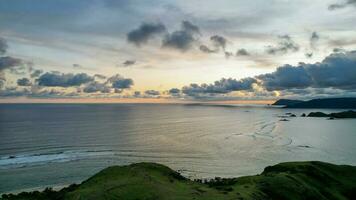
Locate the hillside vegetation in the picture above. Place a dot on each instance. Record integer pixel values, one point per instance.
(150, 181)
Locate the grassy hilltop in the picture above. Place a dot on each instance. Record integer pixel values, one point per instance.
(150, 181)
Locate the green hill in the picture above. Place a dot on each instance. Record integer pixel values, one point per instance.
(293, 180)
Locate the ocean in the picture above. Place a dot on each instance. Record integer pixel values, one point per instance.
(54, 145)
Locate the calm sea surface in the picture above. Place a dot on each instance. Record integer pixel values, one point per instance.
(58, 144)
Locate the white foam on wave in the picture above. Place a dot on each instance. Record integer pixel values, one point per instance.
(34, 159)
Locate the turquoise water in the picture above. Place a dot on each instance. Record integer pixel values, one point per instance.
(58, 144)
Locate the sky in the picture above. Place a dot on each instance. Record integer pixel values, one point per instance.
(176, 50)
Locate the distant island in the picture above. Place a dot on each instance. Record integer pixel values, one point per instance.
(150, 181)
(340, 103)
(341, 115)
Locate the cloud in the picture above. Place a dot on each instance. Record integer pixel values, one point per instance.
(314, 38)
(180, 40)
(152, 92)
(219, 41)
(128, 63)
(3, 46)
(242, 52)
(119, 82)
(2, 76)
(36, 92)
(24, 82)
(228, 54)
(335, 71)
(18, 70)
(145, 32)
(67, 85)
(312, 93)
(342, 5)
(285, 45)
(206, 49)
(122, 84)
(339, 50)
(286, 76)
(93, 87)
(183, 39)
(14, 92)
(63, 80)
(342, 42)
(222, 86)
(36, 73)
(8, 62)
(15, 65)
(174, 91)
(77, 66)
(309, 55)
(189, 27)
(99, 76)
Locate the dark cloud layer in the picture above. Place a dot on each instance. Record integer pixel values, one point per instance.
(63, 80)
(285, 45)
(146, 31)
